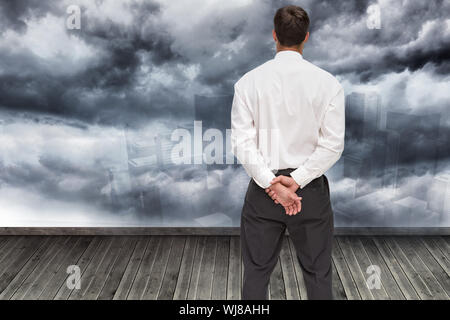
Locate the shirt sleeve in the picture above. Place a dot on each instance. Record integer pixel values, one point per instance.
(330, 144)
(243, 142)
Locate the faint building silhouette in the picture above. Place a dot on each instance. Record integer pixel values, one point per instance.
(145, 155)
(418, 145)
(367, 210)
(383, 150)
(438, 197)
(411, 212)
(364, 141)
(142, 151)
(354, 116)
(120, 184)
(372, 114)
(353, 165)
(392, 146)
(215, 113)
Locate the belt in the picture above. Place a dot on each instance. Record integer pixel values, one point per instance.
(316, 183)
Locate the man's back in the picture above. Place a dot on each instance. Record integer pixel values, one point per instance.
(302, 107)
(290, 95)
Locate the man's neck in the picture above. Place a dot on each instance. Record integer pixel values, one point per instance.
(296, 49)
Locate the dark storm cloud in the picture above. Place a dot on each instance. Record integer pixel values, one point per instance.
(412, 35)
(110, 82)
(394, 60)
(46, 177)
(13, 13)
(106, 90)
(125, 45)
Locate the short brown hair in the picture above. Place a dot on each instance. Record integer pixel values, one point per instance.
(291, 25)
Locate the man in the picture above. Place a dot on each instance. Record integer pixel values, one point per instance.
(304, 106)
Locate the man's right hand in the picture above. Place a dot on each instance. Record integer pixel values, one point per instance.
(286, 197)
(288, 182)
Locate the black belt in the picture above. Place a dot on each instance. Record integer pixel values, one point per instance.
(316, 183)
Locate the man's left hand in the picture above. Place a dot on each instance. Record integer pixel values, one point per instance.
(288, 182)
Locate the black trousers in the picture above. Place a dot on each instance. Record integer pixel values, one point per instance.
(263, 225)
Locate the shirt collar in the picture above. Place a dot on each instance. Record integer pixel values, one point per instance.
(288, 54)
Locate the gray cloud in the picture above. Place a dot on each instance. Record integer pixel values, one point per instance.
(14, 13)
(98, 89)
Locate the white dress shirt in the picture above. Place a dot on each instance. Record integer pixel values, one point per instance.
(287, 113)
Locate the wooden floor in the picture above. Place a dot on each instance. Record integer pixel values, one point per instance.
(210, 267)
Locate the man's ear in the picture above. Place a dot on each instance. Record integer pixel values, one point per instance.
(274, 35)
(306, 37)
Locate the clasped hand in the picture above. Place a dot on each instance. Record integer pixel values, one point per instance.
(282, 190)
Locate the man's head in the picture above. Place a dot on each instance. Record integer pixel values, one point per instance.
(291, 25)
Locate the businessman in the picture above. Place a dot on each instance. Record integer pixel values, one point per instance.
(304, 106)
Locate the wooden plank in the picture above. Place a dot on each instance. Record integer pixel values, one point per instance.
(277, 290)
(158, 269)
(432, 264)
(96, 266)
(20, 277)
(348, 283)
(413, 276)
(298, 271)
(3, 241)
(234, 270)
(17, 258)
(387, 279)
(103, 269)
(60, 275)
(422, 265)
(126, 282)
(394, 265)
(91, 252)
(118, 269)
(442, 243)
(446, 238)
(287, 268)
(10, 249)
(204, 286)
(219, 285)
(357, 274)
(365, 263)
(35, 283)
(140, 282)
(437, 253)
(184, 276)
(337, 287)
(172, 271)
(192, 292)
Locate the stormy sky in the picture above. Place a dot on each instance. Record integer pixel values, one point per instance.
(66, 97)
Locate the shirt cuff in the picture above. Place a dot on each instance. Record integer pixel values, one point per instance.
(264, 178)
(301, 176)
